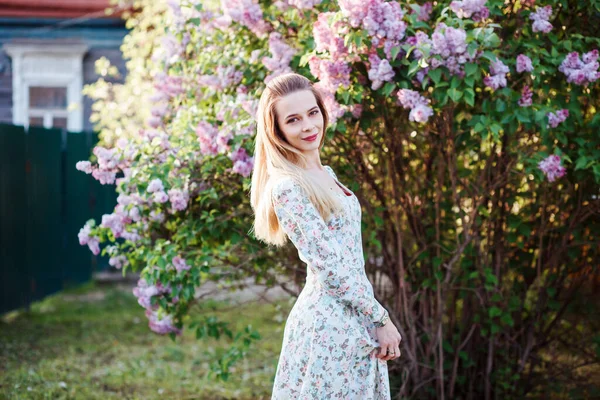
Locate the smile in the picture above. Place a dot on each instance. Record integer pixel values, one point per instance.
(311, 138)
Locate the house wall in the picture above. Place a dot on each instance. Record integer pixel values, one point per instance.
(102, 37)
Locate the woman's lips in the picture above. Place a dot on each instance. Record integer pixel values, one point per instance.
(311, 138)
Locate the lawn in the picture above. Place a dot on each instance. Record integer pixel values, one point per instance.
(93, 342)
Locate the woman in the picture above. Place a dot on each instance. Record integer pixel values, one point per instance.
(338, 337)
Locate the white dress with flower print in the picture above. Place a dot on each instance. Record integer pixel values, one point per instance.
(329, 340)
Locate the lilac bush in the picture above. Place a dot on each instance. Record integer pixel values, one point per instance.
(468, 128)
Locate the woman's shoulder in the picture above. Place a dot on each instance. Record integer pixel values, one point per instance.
(284, 186)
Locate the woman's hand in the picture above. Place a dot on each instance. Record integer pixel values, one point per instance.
(388, 338)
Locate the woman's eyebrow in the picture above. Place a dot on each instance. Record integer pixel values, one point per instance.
(293, 115)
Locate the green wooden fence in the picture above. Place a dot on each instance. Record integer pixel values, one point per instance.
(44, 201)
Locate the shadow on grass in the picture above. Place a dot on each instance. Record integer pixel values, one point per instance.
(94, 343)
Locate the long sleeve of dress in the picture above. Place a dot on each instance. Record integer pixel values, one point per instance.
(317, 246)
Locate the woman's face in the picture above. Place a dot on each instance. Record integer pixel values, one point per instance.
(299, 118)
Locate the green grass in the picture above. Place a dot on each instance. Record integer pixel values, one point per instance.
(94, 343)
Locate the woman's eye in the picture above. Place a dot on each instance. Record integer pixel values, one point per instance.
(314, 112)
(291, 120)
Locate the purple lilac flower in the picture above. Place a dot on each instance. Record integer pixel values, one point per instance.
(118, 261)
(384, 22)
(554, 119)
(425, 11)
(207, 135)
(354, 10)
(497, 77)
(474, 9)
(331, 74)
(180, 264)
(224, 78)
(282, 54)
(161, 326)
(160, 197)
(380, 71)
(552, 168)
(242, 162)
(144, 291)
(334, 109)
(540, 19)
(524, 63)
(526, 97)
(581, 71)
(451, 45)
(419, 105)
(179, 199)
(247, 13)
(327, 37)
(155, 185)
(85, 238)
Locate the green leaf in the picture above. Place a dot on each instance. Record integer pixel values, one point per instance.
(494, 312)
(435, 75)
(455, 94)
(388, 88)
(469, 96)
(471, 69)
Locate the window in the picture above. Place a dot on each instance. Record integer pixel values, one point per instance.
(47, 84)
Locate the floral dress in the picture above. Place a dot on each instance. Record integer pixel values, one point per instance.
(329, 340)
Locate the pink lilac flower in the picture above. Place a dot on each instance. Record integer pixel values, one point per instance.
(420, 113)
(242, 162)
(163, 325)
(299, 4)
(104, 177)
(247, 13)
(356, 110)
(281, 56)
(144, 291)
(581, 71)
(132, 236)
(419, 105)
(160, 197)
(334, 109)
(224, 78)
(115, 222)
(157, 216)
(84, 166)
(379, 71)
(180, 264)
(331, 74)
(526, 97)
(327, 38)
(554, 119)
(155, 185)
(118, 261)
(85, 238)
(474, 9)
(497, 77)
(524, 63)
(552, 168)
(540, 19)
(166, 87)
(207, 134)
(179, 199)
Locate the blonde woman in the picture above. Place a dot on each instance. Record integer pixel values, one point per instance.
(338, 337)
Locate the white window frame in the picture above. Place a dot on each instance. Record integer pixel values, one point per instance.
(65, 63)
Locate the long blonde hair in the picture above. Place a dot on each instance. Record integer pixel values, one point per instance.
(275, 158)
